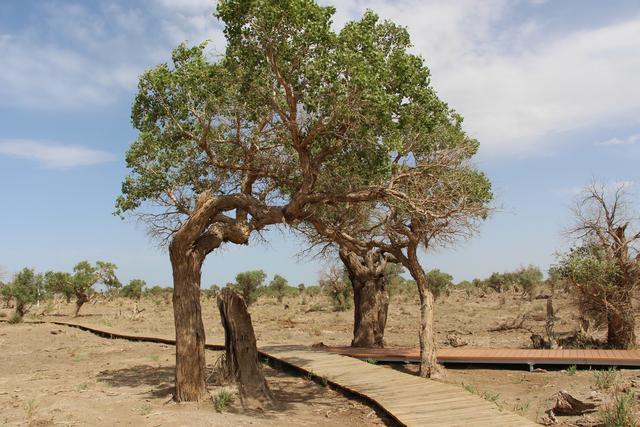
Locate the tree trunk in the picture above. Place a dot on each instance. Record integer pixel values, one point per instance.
(190, 335)
(241, 352)
(550, 325)
(81, 298)
(428, 356)
(370, 298)
(621, 326)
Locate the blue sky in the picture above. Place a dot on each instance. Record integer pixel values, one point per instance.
(550, 88)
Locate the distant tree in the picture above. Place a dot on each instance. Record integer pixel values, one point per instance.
(60, 283)
(529, 279)
(247, 284)
(134, 289)
(279, 286)
(211, 292)
(603, 269)
(334, 283)
(85, 276)
(27, 288)
(440, 282)
(6, 294)
(301, 287)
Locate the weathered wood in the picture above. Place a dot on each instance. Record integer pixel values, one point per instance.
(241, 352)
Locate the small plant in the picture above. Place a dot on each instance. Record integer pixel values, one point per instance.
(82, 387)
(221, 400)
(491, 397)
(470, 388)
(146, 409)
(521, 408)
(604, 380)
(620, 412)
(324, 381)
(371, 361)
(30, 408)
(571, 370)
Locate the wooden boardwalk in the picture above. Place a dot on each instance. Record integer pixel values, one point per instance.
(509, 356)
(408, 399)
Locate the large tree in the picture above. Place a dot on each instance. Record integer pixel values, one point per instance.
(293, 115)
(435, 196)
(603, 268)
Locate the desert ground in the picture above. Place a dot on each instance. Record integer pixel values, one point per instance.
(63, 376)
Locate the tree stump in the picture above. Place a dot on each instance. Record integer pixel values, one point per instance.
(241, 352)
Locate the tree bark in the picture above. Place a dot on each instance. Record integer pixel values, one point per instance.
(81, 299)
(550, 325)
(621, 325)
(428, 356)
(370, 297)
(190, 334)
(241, 352)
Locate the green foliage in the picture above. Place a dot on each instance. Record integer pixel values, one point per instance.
(396, 284)
(60, 283)
(248, 283)
(134, 289)
(592, 275)
(439, 282)
(211, 292)
(222, 400)
(279, 286)
(621, 411)
(605, 379)
(571, 370)
(529, 279)
(27, 288)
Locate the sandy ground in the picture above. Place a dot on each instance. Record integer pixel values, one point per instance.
(304, 320)
(53, 375)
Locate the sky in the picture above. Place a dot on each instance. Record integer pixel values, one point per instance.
(551, 89)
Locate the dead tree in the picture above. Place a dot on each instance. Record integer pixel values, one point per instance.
(241, 352)
(550, 325)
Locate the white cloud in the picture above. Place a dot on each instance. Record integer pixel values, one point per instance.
(82, 54)
(54, 156)
(629, 140)
(517, 85)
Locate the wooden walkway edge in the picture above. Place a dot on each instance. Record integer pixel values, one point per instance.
(409, 400)
(507, 356)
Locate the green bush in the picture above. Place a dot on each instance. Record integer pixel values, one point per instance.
(620, 412)
(248, 283)
(26, 288)
(134, 289)
(605, 379)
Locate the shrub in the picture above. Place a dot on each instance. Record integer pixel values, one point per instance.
(279, 286)
(247, 284)
(605, 379)
(221, 400)
(620, 412)
(134, 289)
(336, 286)
(27, 288)
(439, 282)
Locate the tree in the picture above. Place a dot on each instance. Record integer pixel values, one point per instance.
(603, 269)
(279, 286)
(439, 282)
(294, 115)
(27, 288)
(84, 277)
(336, 286)
(529, 279)
(134, 289)
(436, 196)
(60, 283)
(248, 282)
